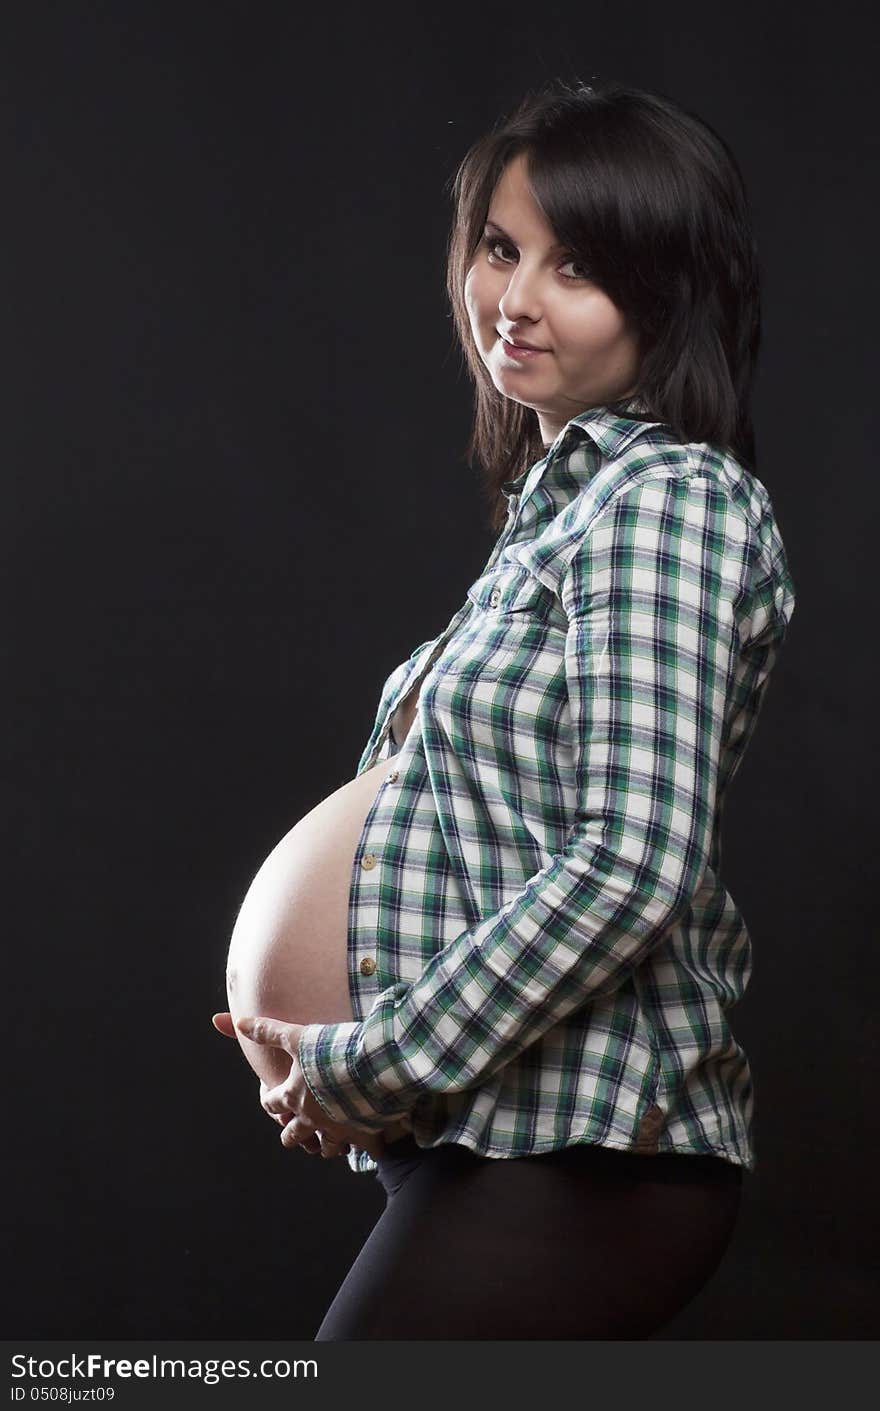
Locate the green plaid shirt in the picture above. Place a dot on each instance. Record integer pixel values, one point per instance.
(541, 949)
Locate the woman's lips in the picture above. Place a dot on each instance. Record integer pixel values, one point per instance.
(520, 354)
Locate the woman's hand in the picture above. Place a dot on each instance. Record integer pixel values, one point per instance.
(291, 1104)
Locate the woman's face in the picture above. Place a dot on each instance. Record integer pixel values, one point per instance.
(521, 287)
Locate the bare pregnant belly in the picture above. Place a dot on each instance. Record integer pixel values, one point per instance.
(288, 956)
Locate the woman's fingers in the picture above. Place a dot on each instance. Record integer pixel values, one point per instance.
(298, 1132)
(273, 1032)
(332, 1147)
(335, 1139)
(274, 1105)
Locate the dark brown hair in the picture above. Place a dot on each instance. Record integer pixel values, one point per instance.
(652, 198)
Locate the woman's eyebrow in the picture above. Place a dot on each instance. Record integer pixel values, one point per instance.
(501, 231)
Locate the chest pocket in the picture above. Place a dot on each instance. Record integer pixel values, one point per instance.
(516, 625)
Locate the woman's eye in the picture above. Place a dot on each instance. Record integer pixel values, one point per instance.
(577, 264)
(493, 245)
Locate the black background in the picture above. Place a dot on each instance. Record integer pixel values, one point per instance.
(234, 423)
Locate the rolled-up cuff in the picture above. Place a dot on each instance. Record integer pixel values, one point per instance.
(326, 1054)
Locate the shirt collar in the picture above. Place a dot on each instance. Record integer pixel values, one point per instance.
(611, 427)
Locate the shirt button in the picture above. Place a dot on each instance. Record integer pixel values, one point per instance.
(393, 777)
(368, 965)
(495, 597)
(368, 860)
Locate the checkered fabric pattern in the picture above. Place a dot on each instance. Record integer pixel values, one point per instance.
(552, 951)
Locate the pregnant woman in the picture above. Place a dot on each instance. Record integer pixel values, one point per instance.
(496, 968)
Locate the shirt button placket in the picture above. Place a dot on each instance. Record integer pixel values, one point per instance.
(368, 964)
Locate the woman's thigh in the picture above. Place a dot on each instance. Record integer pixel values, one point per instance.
(566, 1245)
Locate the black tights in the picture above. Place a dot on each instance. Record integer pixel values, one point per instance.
(576, 1243)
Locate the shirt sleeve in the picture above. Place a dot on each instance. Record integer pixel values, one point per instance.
(651, 594)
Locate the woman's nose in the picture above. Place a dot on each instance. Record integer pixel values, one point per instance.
(520, 299)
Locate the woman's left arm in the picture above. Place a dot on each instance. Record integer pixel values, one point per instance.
(651, 593)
